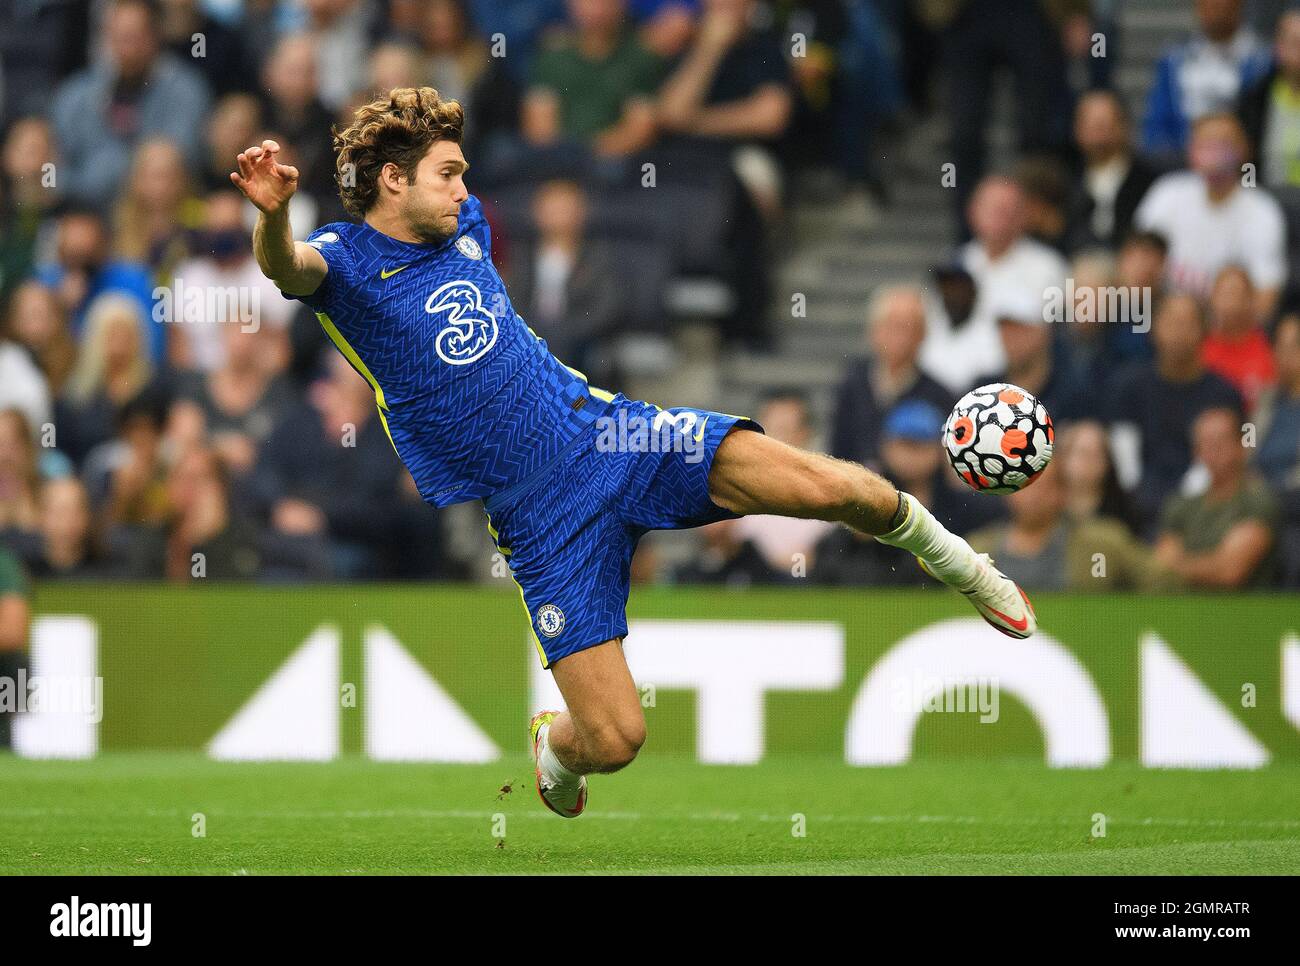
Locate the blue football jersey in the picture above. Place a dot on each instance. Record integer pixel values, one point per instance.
(470, 396)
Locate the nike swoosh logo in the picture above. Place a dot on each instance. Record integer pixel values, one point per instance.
(1019, 625)
(386, 273)
(699, 437)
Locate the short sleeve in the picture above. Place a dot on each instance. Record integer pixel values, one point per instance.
(1259, 504)
(338, 255)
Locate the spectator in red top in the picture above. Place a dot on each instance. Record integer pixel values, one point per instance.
(1236, 346)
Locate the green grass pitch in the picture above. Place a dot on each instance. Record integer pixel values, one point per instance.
(135, 814)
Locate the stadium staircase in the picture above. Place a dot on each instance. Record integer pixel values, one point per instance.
(836, 257)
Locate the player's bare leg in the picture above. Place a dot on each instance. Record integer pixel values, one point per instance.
(753, 473)
(602, 730)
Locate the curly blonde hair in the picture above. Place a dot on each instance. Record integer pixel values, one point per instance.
(400, 130)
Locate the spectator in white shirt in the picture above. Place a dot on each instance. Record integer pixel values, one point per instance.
(1002, 256)
(1211, 220)
(226, 264)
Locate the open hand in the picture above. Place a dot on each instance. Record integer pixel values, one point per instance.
(264, 181)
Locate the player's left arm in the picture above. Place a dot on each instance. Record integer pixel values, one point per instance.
(295, 268)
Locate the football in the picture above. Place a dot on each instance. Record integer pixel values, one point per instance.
(998, 438)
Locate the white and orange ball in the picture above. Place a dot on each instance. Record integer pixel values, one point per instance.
(998, 438)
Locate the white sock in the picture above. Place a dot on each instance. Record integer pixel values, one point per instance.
(552, 770)
(948, 556)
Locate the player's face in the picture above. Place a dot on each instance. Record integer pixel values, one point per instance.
(431, 203)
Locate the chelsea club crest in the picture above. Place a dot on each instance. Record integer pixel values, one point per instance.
(550, 620)
(469, 247)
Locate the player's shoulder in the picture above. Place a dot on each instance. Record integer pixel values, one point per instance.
(335, 233)
(353, 251)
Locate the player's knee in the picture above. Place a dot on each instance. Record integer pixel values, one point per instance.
(616, 745)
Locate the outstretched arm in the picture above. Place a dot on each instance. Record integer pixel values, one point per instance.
(295, 268)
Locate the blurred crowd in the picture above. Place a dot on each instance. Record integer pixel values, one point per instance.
(142, 441)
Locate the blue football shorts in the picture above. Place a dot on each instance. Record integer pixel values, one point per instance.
(569, 530)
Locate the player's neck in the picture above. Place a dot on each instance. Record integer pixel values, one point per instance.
(388, 223)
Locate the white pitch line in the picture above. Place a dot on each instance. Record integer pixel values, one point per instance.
(721, 817)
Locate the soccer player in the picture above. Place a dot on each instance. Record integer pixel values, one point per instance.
(570, 476)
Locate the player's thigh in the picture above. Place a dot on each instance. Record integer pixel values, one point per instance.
(754, 473)
(600, 694)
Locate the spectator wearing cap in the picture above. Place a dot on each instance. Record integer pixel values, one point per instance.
(1153, 405)
(1042, 547)
(1212, 220)
(912, 458)
(1204, 75)
(887, 375)
(1034, 360)
(1222, 538)
(137, 91)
